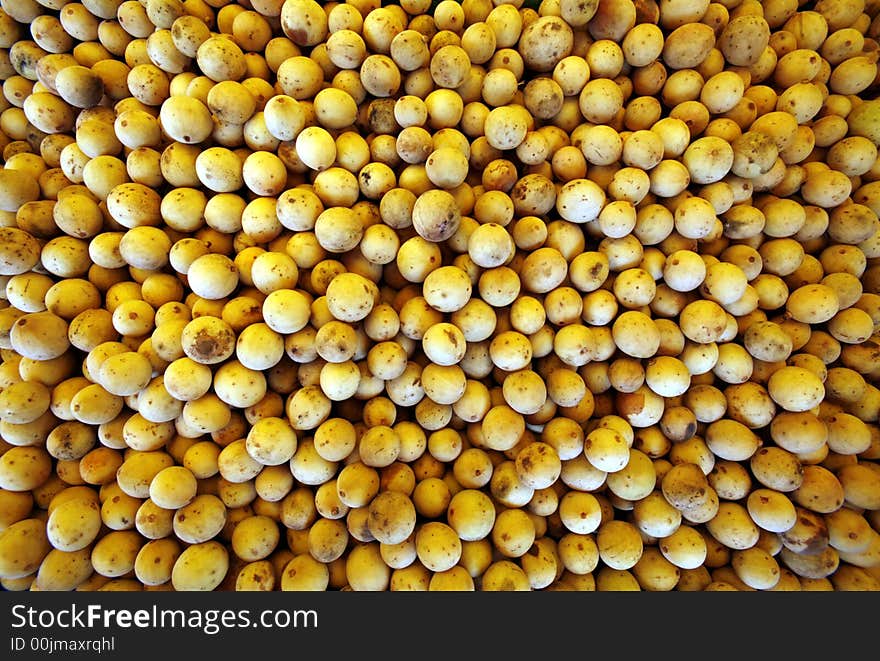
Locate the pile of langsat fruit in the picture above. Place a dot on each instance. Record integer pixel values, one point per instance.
(479, 295)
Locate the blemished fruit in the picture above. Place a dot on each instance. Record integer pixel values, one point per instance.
(452, 296)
